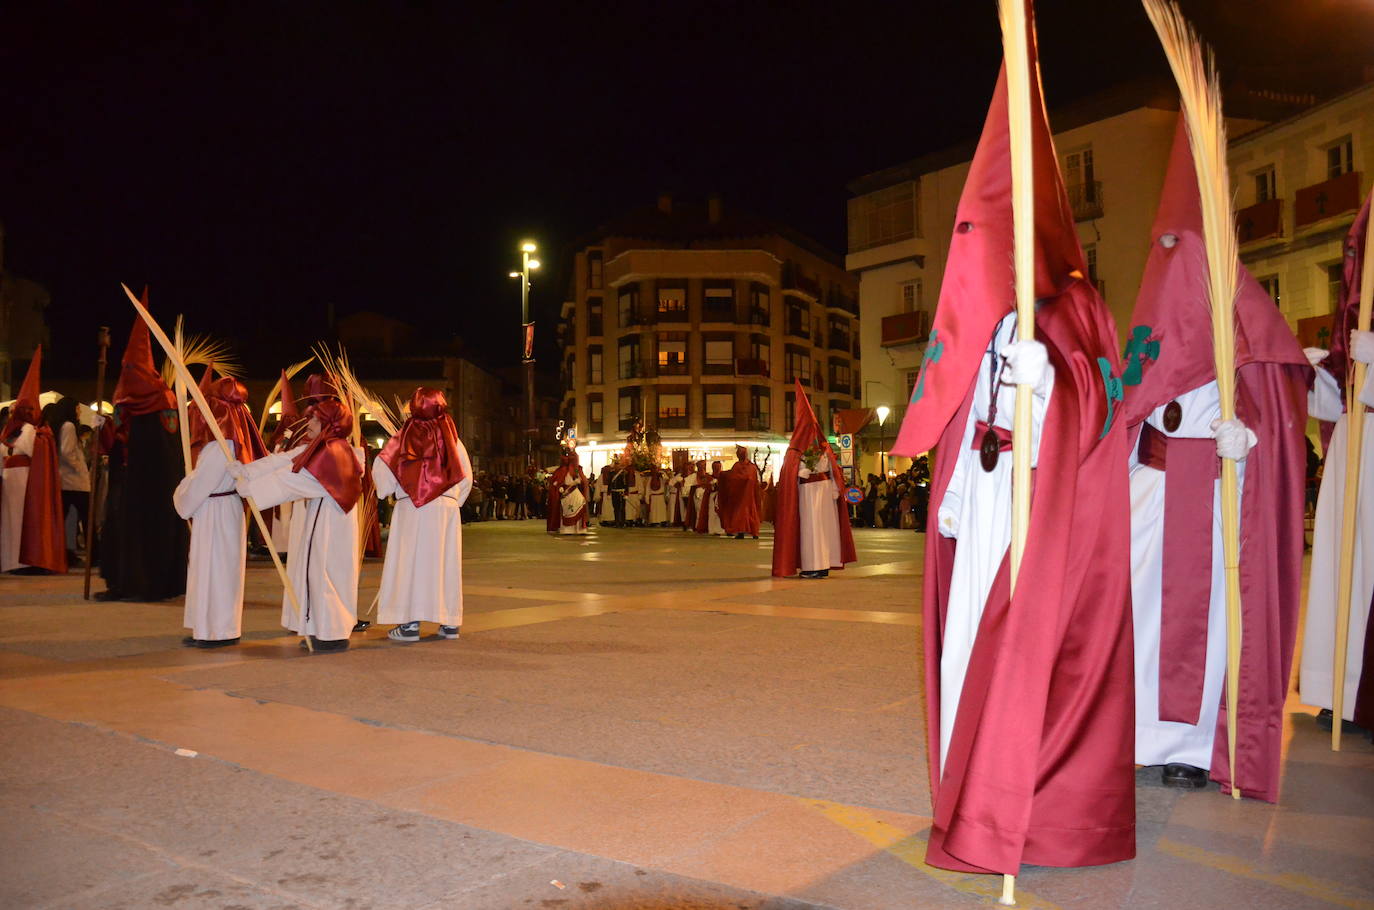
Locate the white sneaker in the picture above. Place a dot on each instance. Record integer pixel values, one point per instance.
(449, 632)
(408, 631)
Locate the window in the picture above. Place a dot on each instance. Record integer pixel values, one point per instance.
(718, 303)
(595, 415)
(594, 269)
(672, 354)
(798, 318)
(672, 304)
(910, 377)
(720, 409)
(629, 306)
(1334, 277)
(760, 401)
(839, 333)
(672, 405)
(1078, 167)
(594, 375)
(1265, 185)
(798, 367)
(839, 377)
(720, 356)
(1270, 283)
(594, 324)
(912, 295)
(758, 304)
(816, 375)
(886, 216)
(1090, 255)
(630, 366)
(789, 415)
(1339, 158)
(628, 407)
(761, 349)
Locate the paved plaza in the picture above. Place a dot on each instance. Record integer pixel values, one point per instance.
(635, 719)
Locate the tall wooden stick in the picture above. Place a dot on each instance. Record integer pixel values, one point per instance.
(205, 411)
(1200, 93)
(1016, 57)
(102, 340)
(179, 388)
(1354, 439)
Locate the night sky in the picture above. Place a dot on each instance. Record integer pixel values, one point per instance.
(255, 163)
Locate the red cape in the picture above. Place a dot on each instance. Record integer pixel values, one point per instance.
(710, 484)
(787, 514)
(739, 499)
(1170, 353)
(1040, 765)
(555, 518)
(42, 536)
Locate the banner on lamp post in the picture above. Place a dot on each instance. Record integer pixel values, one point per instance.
(529, 341)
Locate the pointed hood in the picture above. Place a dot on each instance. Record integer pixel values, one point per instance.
(140, 389)
(977, 290)
(26, 408)
(289, 412)
(806, 433)
(1344, 319)
(1169, 350)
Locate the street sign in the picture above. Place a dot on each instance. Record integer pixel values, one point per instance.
(854, 495)
(846, 440)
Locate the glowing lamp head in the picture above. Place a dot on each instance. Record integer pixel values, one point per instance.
(534, 264)
(515, 274)
(883, 410)
(528, 247)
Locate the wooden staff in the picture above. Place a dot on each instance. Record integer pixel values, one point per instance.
(179, 387)
(209, 415)
(1016, 57)
(1200, 95)
(1354, 439)
(102, 340)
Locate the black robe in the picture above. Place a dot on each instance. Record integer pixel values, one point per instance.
(143, 542)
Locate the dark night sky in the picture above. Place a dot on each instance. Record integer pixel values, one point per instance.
(256, 162)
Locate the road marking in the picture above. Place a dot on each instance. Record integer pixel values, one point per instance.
(1326, 891)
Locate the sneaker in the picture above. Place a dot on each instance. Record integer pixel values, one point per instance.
(406, 631)
(448, 632)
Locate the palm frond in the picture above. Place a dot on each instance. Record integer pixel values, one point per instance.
(340, 372)
(201, 350)
(272, 396)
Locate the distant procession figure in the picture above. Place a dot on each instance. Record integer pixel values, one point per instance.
(208, 499)
(740, 497)
(325, 474)
(63, 418)
(656, 497)
(426, 467)
(811, 532)
(569, 484)
(708, 502)
(691, 495)
(32, 532)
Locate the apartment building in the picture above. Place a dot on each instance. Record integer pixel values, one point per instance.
(696, 322)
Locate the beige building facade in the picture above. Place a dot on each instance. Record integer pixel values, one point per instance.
(697, 322)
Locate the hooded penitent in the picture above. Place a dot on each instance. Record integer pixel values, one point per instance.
(739, 496)
(140, 389)
(41, 537)
(806, 434)
(329, 457)
(1039, 767)
(1168, 354)
(228, 399)
(1345, 318)
(423, 455)
(290, 415)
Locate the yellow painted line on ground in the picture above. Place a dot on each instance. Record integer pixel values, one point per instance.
(911, 849)
(1310, 886)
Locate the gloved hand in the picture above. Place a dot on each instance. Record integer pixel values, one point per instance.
(1316, 355)
(1234, 439)
(1362, 346)
(236, 469)
(1027, 363)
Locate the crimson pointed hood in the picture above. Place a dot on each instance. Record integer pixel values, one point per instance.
(26, 408)
(977, 290)
(806, 433)
(140, 389)
(1344, 319)
(1169, 350)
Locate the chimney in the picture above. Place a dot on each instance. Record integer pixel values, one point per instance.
(713, 208)
(665, 203)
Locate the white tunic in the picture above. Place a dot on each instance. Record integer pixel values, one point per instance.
(422, 577)
(570, 502)
(634, 499)
(976, 510)
(324, 558)
(657, 502)
(219, 547)
(820, 519)
(1160, 742)
(1319, 631)
(713, 524)
(16, 486)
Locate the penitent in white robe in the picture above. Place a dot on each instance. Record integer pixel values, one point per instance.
(422, 577)
(15, 488)
(1162, 742)
(219, 547)
(657, 503)
(570, 503)
(819, 519)
(324, 557)
(976, 510)
(713, 525)
(1319, 632)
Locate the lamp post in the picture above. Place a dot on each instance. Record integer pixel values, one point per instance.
(882, 411)
(527, 264)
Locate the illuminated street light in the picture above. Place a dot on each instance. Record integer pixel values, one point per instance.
(528, 247)
(534, 264)
(527, 342)
(883, 410)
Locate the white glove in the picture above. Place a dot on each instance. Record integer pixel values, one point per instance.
(1234, 439)
(1316, 355)
(236, 469)
(1362, 346)
(1027, 362)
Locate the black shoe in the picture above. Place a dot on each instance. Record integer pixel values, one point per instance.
(108, 595)
(216, 642)
(1184, 777)
(337, 644)
(190, 642)
(362, 625)
(824, 573)
(739, 537)
(1325, 717)
(810, 575)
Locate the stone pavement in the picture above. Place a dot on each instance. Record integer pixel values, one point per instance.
(638, 719)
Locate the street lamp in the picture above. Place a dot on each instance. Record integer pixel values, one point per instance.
(882, 411)
(527, 265)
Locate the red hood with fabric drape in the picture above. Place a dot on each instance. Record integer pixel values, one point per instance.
(1345, 318)
(806, 430)
(329, 457)
(42, 533)
(423, 455)
(228, 399)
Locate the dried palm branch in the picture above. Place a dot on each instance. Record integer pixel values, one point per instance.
(273, 395)
(360, 397)
(203, 350)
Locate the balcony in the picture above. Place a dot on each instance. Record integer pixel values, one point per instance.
(718, 421)
(718, 367)
(798, 328)
(674, 368)
(1328, 199)
(1085, 199)
(636, 369)
(1261, 221)
(757, 423)
(750, 366)
(841, 388)
(803, 378)
(666, 314)
(626, 424)
(794, 280)
(673, 421)
(719, 313)
(839, 341)
(632, 319)
(839, 301)
(758, 316)
(906, 328)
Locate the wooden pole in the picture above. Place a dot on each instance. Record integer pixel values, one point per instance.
(194, 389)
(179, 339)
(102, 340)
(1354, 440)
(1016, 54)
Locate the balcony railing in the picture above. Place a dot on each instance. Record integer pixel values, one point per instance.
(803, 378)
(674, 368)
(636, 369)
(672, 315)
(793, 279)
(631, 319)
(718, 367)
(906, 328)
(718, 421)
(626, 423)
(1337, 196)
(721, 312)
(839, 301)
(1261, 221)
(839, 341)
(798, 329)
(673, 421)
(750, 366)
(758, 316)
(747, 420)
(841, 388)
(1085, 199)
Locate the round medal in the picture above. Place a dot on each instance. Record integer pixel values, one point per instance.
(989, 450)
(1173, 416)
